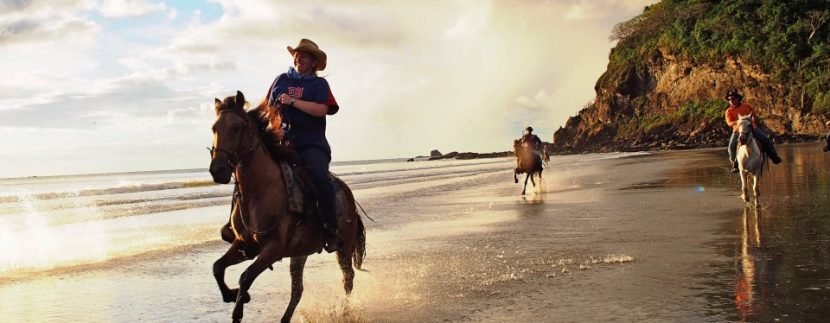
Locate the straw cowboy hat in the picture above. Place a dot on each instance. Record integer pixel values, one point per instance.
(311, 48)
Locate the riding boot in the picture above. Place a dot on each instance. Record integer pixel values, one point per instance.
(767, 145)
(333, 241)
(734, 167)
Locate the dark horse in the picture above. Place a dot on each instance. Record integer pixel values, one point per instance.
(527, 161)
(262, 226)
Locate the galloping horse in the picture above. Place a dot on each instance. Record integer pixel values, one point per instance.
(262, 226)
(527, 161)
(751, 158)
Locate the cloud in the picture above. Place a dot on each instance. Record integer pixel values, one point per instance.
(129, 8)
(31, 30)
(30, 7)
(596, 10)
(37, 21)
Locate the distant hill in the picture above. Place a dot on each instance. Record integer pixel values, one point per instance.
(673, 64)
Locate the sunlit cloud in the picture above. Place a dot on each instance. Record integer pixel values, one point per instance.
(36, 21)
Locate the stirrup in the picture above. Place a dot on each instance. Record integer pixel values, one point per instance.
(331, 240)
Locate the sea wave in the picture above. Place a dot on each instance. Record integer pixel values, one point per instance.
(120, 189)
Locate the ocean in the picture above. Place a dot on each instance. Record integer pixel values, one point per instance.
(59, 221)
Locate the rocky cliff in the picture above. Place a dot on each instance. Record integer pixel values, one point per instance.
(666, 99)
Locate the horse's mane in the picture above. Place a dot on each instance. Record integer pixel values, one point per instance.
(267, 121)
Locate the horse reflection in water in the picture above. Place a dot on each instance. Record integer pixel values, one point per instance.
(751, 158)
(750, 268)
(263, 229)
(529, 162)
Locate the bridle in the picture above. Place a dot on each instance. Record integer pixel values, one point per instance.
(234, 157)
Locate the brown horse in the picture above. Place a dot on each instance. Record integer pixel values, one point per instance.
(527, 161)
(262, 226)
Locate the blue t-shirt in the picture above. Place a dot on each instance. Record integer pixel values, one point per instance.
(302, 129)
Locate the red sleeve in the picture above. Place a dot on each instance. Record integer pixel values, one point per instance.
(331, 103)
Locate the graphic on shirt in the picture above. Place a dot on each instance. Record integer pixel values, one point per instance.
(295, 92)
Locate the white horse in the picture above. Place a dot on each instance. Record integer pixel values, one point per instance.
(751, 158)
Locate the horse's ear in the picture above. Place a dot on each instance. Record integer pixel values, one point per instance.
(240, 99)
(217, 105)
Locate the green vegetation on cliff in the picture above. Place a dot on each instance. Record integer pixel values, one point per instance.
(693, 111)
(789, 40)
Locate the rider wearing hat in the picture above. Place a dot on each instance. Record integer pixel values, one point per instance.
(304, 100)
(532, 140)
(738, 108)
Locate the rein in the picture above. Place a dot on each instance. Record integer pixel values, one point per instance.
(237, 196)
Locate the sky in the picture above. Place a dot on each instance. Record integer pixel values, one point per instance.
(94, 86)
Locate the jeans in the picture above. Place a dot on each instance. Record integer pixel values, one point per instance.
(318, 161)
(762, 138)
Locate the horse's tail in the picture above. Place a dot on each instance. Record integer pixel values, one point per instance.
(359, 253)
(360, 245)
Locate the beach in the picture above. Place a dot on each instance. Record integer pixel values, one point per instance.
(623, 237)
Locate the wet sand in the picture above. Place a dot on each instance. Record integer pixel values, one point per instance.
(659, 237)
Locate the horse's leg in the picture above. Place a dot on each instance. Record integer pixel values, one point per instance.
(524, 188)
(516, 175)
(344, 259)
(744, 186)
(231, 257)
(265, 259)
(755, 188)
(297, 266)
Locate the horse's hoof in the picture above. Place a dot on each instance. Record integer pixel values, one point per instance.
(516, 181)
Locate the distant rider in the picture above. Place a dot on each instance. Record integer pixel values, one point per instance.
(736, 108)
(533, 141)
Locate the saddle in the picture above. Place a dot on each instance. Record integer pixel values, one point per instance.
(301, 196)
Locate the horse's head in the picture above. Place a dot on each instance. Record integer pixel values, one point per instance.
(234, 137)
(744, 128)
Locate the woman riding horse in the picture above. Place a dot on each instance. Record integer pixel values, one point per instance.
(263, 228)
(305, 99)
